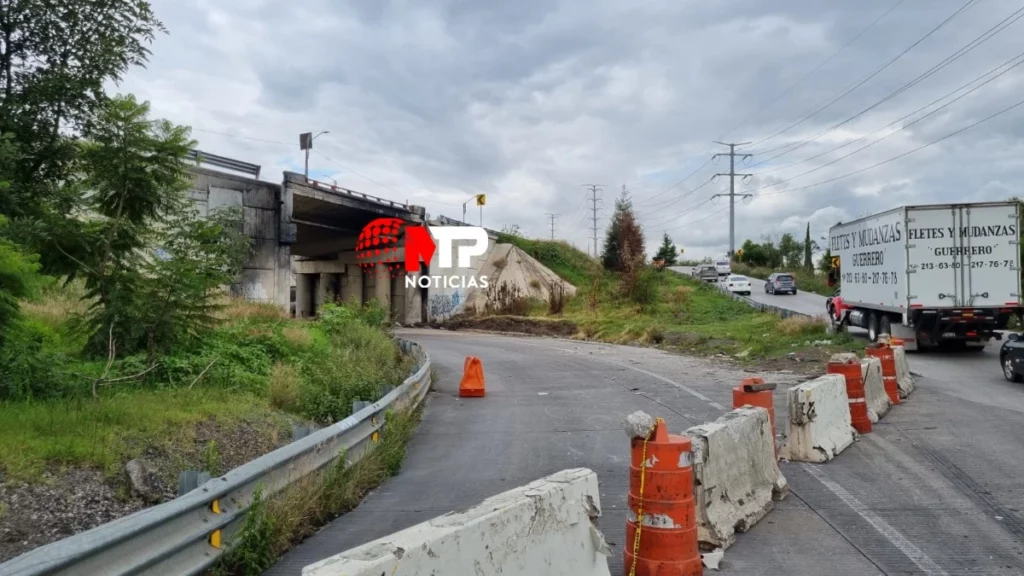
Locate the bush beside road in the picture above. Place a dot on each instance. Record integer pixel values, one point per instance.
(230, 397)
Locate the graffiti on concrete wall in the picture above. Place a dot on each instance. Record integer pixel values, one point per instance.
(442, 306)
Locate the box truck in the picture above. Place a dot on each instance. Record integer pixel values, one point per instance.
(928, 274)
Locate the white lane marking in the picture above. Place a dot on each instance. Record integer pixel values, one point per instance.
(717, 405)
(926, 564)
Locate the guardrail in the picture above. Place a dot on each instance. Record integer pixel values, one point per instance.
(200, 157)
(353, 193)
(189, 533)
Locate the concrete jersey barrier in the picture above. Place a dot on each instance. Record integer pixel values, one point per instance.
(878, 401)
(737, 478)
(904, 379)
(546, 527)
(818, 427)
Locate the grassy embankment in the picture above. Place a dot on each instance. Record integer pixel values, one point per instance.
(805, 281)
(678, 312)
(254, 374)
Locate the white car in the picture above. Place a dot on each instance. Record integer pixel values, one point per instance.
(723, 267)
(738, 284)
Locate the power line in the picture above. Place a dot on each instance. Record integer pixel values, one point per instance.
(594, 188)
(672, 187)
(866, 79)
(552, 216)
(816, 68)
(905, 154)
(978, 41)
(732, 190)
(692, 222)
(1019, 60)
(904, 117)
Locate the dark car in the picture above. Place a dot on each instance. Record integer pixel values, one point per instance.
(1011, 358)
(780, 283)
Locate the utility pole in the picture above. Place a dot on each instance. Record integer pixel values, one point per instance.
(552, 216)
(732, 189)
(594, 188)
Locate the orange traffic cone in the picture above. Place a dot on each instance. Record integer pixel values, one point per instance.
(472, 384)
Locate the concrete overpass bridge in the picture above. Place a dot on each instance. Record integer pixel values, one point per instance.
(304, 234)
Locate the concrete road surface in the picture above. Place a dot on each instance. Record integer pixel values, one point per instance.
(935, 490)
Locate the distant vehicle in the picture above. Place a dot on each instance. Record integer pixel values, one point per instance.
(708, 273)
(780, 283)
(723, 267)
(738, 284)
(929, 274)
(1011, 358)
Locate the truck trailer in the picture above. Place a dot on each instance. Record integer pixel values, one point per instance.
(928, 274)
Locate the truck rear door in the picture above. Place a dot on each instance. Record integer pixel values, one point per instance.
(963, 256)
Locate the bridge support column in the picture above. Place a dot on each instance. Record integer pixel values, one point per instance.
(352, 285)
(304, 285)
(382, 285)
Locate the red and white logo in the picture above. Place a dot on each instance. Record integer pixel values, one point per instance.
(378, 243)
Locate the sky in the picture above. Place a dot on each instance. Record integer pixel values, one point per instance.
(849, 108)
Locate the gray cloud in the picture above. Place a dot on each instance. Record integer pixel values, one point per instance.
(436, 100)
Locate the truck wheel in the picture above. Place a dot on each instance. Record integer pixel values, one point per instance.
(873, 327)
(885, 326)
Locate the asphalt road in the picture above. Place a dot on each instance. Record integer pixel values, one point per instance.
(934, 490)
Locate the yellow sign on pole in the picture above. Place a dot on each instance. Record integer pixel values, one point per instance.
(481, 199)
(739, 251)
(835, 261)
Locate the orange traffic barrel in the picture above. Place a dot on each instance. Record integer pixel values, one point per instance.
(754, 392)
(661, 524)
(472, 384)
(886, 355)
(851, 371)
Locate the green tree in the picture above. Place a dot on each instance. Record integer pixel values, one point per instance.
(55, 60)
(667, 251)
(825, 262)
(808, 263)
(18, 279)
(624, 240)
(790, 250)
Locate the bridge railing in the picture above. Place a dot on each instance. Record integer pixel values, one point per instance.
(187, 535)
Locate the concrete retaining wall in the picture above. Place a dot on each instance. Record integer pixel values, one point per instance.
(737, 477)
(546, 527)
(818, 428)
(903, 377)
(878, 401)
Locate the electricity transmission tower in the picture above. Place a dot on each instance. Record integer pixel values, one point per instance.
(594, 189)
(732, 188)
(552, 216)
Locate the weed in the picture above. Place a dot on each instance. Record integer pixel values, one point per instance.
(799, 325)
(500, 263)
(681, 294)
(252, 552)
(594, 294)
(556, 298)
(211, 458)
(506, 299)
(285, 386)
(535, 284)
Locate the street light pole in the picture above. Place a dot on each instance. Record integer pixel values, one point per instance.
(306, 143)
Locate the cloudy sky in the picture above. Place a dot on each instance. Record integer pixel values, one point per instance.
(432, 101)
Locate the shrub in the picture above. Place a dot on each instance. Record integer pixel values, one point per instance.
(556, 298)
(285, 386)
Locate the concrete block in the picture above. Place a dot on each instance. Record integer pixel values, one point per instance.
(264, 255)
(737, 478)
(259, 223)
(904, 379)
(819, 427)
(878, 401)
(223, 198)
(546, 527)
(264, 197)
(254, 284)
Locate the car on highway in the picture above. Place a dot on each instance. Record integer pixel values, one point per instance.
(1011, 358)
(723, 267)
(708, 273)
(738, 284)
(780, 283)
